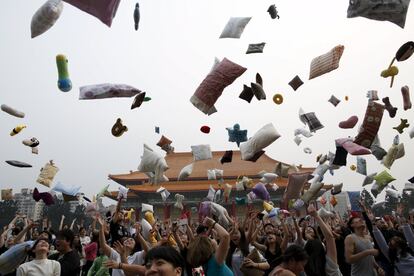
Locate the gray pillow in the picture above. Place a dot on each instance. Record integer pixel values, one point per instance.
(235, 27)
(255, 48)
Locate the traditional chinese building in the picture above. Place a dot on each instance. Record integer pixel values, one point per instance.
(195, 187)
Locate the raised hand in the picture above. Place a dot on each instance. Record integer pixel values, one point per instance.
(312, 211)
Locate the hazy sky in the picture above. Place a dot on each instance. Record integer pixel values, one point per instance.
(168, 57)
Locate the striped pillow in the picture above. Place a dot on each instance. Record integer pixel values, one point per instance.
(326, 63)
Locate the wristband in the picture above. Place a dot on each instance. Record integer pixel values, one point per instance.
(120, 266)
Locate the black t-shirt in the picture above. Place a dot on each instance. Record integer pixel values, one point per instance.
(69, 263)
(273, 259)
(116, 231)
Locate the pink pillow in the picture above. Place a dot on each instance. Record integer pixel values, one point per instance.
(295, 185)
(351, 147)
(211, 88)
(104, 10)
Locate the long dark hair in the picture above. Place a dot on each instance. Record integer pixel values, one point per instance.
(400, 249)
(317, 258)
(243, 246)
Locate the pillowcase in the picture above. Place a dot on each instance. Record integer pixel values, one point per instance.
(258, 91)
(147, 208)
(153, 162)
(351, 147)
(378, 152)
(246, 94)
(311, 121)
(18, 164)
(268, 178)
(179, 201)
(227, 157)
(211, 88)
(46, 197)
(384, 178)
(370, 125)
(211, 175)
(334, 100)
(340, 156)
(235, 27)
(185, 172)
(261, 192)
(122, 192)
(104, 10)
(72, 190)
(45, 17)
(163, 141)
(106, 90)
(256, 156)
(361, 166)
(326, 63)
(295, 185)
(282, 170)
(296, 82)
(394, 11)
(261, 139)
(255, 48)
(201, 152)
(369, 179)
(312, 192)
(47, 173)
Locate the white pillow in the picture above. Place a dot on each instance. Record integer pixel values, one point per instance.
(147, 207)
(185, 172)
(146, 228)
(268, 178)
(153, 162)
(211, 193)
(261, 139)
(211, 174)
(235, 27)
(123, 191)
(46, 16)
(412, 133)
(312, 192)
(201, 152)
(106, 90)
(73, 190)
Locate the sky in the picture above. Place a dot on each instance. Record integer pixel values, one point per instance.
(168, 57)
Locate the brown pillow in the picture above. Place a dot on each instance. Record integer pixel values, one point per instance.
(255, 48)
(296, 82)
(326, 63)
(295, 185)
(6, 194)
(163, 141)
(246, 94)
(282, 170)
(249, 271)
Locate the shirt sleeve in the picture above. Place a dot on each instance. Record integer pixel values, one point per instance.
(409, 235)
(56, 269)
(20, 271)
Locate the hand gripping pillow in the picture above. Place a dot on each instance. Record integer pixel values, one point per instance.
(211, 88)
(104, 10)
(153, 162)
(295, 185)
(235, 27)
(370, 125)
(106, 90)
(221, 213)
(326, 63)
(185, 172)
(251, 271)
(45, 17)
(201, 152)
(261, 139)
(47, 173)
(394, 11)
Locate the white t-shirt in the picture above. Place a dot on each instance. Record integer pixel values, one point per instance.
(42, 267)
(136, 258)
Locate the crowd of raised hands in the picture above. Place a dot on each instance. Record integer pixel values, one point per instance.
(305, 242)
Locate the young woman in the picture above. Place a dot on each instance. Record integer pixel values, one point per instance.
(91, 251)
(164, 261)
(294, 261)
(202, 251)
(40, 266)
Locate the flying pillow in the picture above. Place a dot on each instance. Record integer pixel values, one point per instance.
(295, 185)
(165, 144)
(221, 213)
(247, 94)
(45, 17)
(68, 190)
(147, 208)
(211, 88)
(351, 147)
(282, 170)
(370, 125)
(235, 27)
(326, 63)
(261, 192)
(261, 139)
(394, 11)
(107, 90)
(12, 111)
(268, 178)
(334, 100)
(18, 164)
(179, 201)
(46, 197)
(185, 172)
(383, 178)
(312, 192)
(47, 174)
(296, 82)
(201, 152)
(153, 162)
(104, 10)
(7, 194)
(227, 157)
(255, 48)
(311, 121)
(236, 134)
(361, 165)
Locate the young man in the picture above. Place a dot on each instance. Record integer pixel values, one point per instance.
(359, 251)
(69, 259)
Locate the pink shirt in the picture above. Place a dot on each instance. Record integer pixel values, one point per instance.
(90, 251)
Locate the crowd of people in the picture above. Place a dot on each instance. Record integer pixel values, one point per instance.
(293, 243)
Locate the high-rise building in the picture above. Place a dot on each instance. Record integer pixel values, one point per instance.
(27, 205)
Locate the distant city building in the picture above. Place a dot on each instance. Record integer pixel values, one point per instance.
(27, 205)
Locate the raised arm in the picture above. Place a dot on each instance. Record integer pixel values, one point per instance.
(286, 234)
(409, 235)
(102, 242)
(61, 222)
(72, 224)
(380, 240)
(327, 233)
(223, 247)
(21, 236)
(139, 238)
